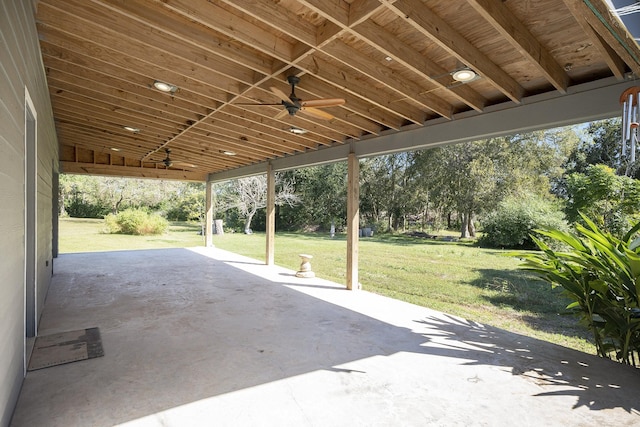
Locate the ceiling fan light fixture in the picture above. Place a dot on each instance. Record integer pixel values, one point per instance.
(464, 75)
(165, 87)
(297, 131)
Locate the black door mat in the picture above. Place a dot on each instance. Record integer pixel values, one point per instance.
(65, 347)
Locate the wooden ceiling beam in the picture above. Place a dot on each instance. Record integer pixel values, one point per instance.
(217, 140)
(117, 132)
(156, 16)
(336, 11)
(132, 172)
(204, 14)
(89, 55)
(260, 133)
(129, 91)
(197, 93)
(617, 66)
(130, 88)
(278, 17)
(421, 18)
(316, 87)
(361, 10)
(77, 135)
(608, 28)
(379, 72)
(137, 32)
(79, 103)
(347, 56)
(512, 30)
(337, 16)
(123, 102)
(349, 83)
(282, 126)
(283, 20)
(391, 46)
(126, 44)
(344, 125)
(212, 15)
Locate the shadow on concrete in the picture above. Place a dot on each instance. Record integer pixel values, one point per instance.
(596, 383)
(179, 327)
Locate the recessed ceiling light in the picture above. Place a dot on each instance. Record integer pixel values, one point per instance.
(297, 131)
(464, 75)
(228, 153)
(165, 87)
(131, 129)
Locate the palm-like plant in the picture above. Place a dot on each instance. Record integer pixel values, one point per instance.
(600, 273)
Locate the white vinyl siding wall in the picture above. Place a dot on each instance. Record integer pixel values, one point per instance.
(21, 70)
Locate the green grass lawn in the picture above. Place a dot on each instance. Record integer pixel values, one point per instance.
(458, 278)
(86, 235)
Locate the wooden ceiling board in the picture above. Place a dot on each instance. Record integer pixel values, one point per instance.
(102, 58)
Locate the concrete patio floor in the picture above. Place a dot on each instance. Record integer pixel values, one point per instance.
(204, 337)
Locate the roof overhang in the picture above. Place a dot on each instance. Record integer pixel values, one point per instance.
(537, 65)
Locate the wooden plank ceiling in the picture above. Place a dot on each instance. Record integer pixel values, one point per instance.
(391, 62)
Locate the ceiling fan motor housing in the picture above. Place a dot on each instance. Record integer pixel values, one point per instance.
(292, 109)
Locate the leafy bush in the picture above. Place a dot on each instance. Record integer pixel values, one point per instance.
(78, 208)
(600, 273)
(188, 207)
(135, 221)
(609, 200)
(515, 220)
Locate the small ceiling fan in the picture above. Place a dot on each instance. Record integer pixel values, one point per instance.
(293, 104)
(168, 162)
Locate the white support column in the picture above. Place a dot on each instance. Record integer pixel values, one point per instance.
(208, 222)
(353, 224)
(271, 214)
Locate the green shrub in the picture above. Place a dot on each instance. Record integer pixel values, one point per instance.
(515, 220)
(135, 221)
(600, 273)
(77, 208)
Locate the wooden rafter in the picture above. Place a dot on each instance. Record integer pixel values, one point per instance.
(390, 60)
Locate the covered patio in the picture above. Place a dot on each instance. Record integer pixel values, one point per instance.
(213, 90)
(202, 336)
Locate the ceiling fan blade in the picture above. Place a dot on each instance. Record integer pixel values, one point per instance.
(185, 164)
(321, 103)
(281, 114)
(280, 94)
(317, 113)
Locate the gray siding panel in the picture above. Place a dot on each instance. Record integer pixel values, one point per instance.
(21, 66)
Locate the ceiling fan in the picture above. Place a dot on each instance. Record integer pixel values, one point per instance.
(168, 162)
(293, 104)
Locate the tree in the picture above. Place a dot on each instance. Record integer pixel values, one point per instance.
(388, 189)
(322, 191)
(611, 201)
(95, 196)
(248, 195)
(600, 145)
(186, 203)
(471, 178)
